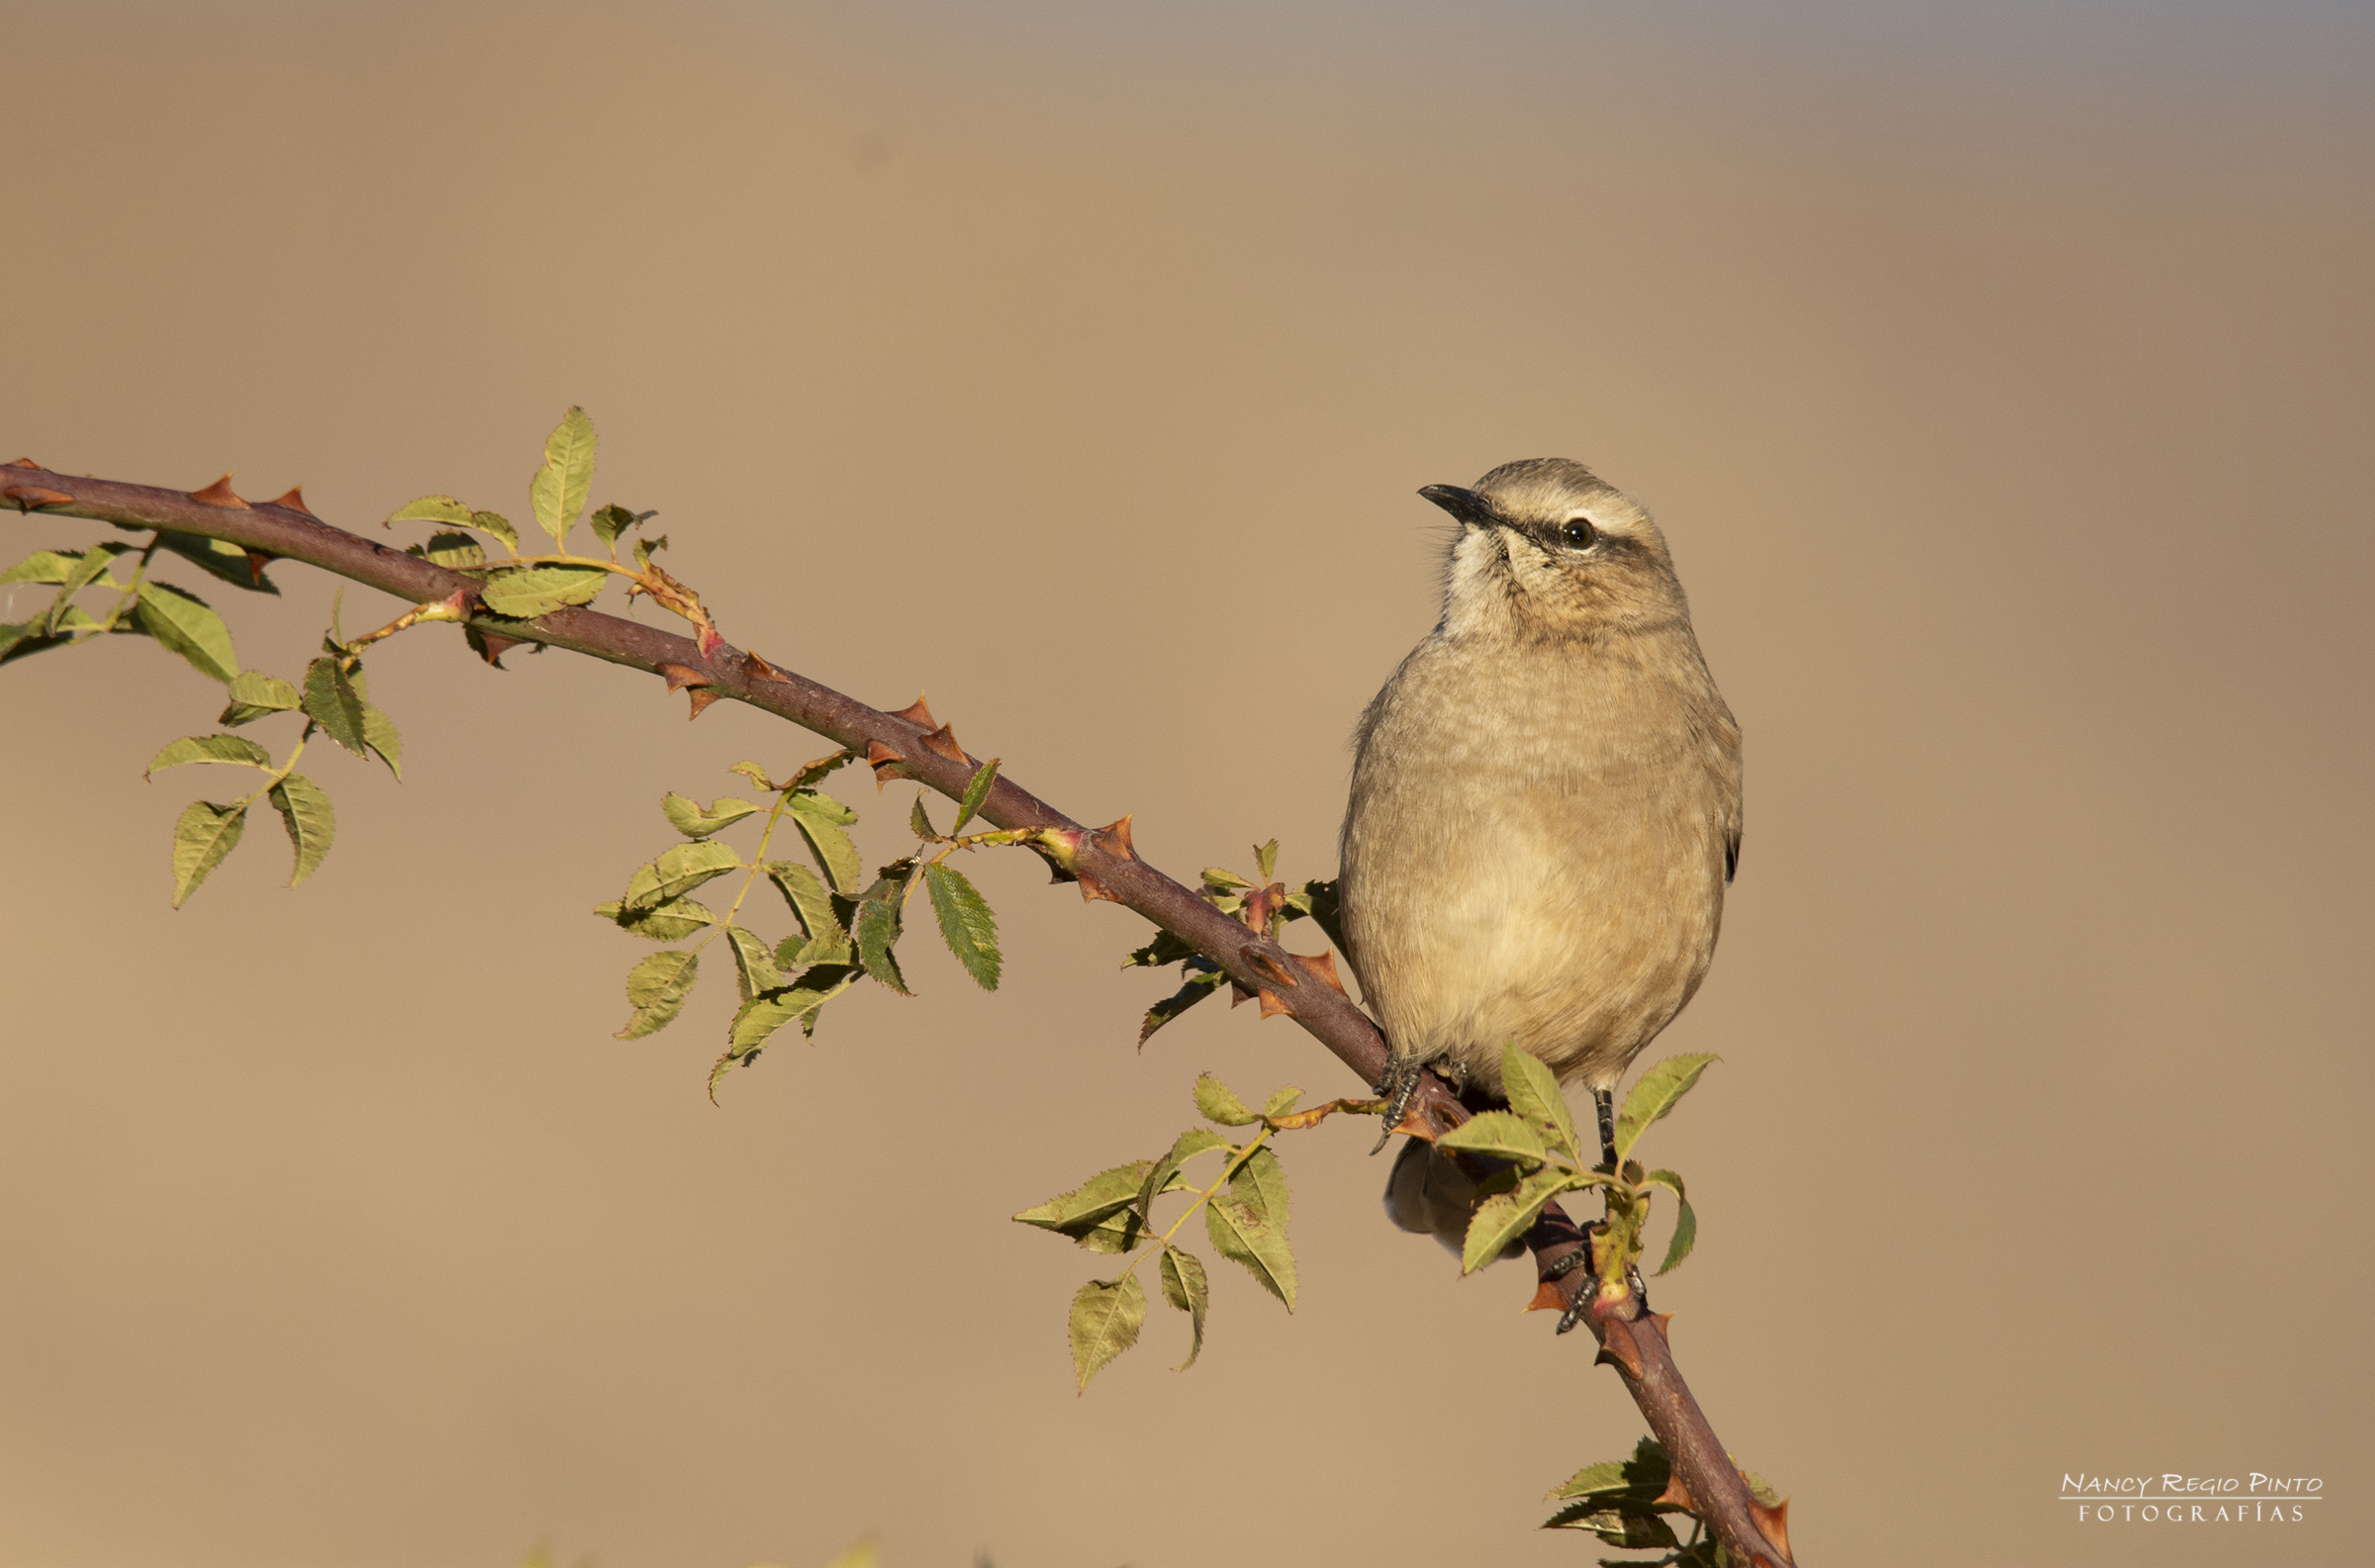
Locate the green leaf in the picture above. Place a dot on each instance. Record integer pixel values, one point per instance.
(1266, 859)
(92, 567)
(769, 1011)
(754, 963)
(526, 591)
(453, 551)
(678, 872)
(754, 773)
(1219, 881)
(877, 929)
(1280, 1103)
(1106, 1194)
(820, 819)
(613, 520)
(43, 566)
(379, 733)
(253, 695)
(205, 834)
(432, 508)
(1240, 1234)
(811, 903)
(1505, 1218)
(1216, 1102)
(558, 491)
(1185, 1287)
(977, 792)
(656, 989)
(1534, 1095)
(332, 702)
(210, 747)
(1637, 1528)
(1655, 1093)
(1262, 1180)
(920, 821)
(1687, 1223)
(1165, 1175)
(645, 547)
(672, 921)
(1105, 1318)
(1499, 1134)
(966, 923)
(1164, 949)
(695, 822)
(16, 634)
(183, 622)
(1200, 984)
(219, 558)
(303, 809)
(499, 525)
(1621, 1483)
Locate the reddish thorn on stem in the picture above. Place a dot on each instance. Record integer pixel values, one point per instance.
(22, 462)
(700, 696)
(1093, 889)
(765, 670)
(294, 500)
(492, 646)
(1271, 1005)
(1618, 1348)
(257, 560)
(916, 713)
(942, 742)
(1772, 1523)
(1676, 1494)
(1114, 839)
(1548, 1297)
(28, 497)
(219, 493)
(1322, 968)
(680, 676)
(1267, 968)
(1662, 1319)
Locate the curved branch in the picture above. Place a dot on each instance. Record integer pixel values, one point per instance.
(1101, 860)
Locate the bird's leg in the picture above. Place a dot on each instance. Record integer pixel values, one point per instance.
(1604, 1102)
(1398, 1088)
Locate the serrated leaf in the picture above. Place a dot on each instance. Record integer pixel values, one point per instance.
(920, 821)
(820, 819)
(526, 591)
(1218, 879)
(453, 551)
(1260, 1179)
(1200, 984)
(219, 558)
(1240, 1234)
(1280, 1103)
(332, 702)
(1105, 1318)
(678, 872)
(1216, 1102)
(205, 834)
(304, 808)
(877, 929)
(976, 790)
(696, 822)
(672, 921)
(754, 773)
(1534, 1095)
(754, 963)
(88, 570)
(1505, 1218)
(1165, 1175)
(499, 525)
(966, 923)
(379, 733)
(1186, 1286)
(1657, 1092)
(769, 1011)
(613, 520)
(255, 693)
(1687, 1223)
(1499, 1134)
(811, 903)
(1621, 1483)
(21, 634)
(558, 490)
(645, 547)
(185, 623)
(210, 747)
(1639, 1529)
(1266, 859)
(43, 566)
(1103, 1195)
(432, 508)
(656, 988)
(1164, 949)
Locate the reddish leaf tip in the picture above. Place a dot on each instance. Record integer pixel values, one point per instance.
(219, 493)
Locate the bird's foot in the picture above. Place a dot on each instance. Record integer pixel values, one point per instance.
(1603, 1101)
(1581, 1258)
(1398, 1088)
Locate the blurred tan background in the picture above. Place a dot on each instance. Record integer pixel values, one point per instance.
(2003, 382)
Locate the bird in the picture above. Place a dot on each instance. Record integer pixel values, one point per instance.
(1543, 816)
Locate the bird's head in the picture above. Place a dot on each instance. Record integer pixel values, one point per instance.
(1548, 550)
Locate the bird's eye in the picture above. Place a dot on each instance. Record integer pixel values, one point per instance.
(1578, 532)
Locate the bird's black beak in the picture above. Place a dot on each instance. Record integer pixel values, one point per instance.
(1465, 505)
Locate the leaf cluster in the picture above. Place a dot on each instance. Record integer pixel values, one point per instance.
(1628, 1502)
(1262, 904)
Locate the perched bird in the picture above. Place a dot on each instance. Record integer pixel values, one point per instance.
(1545, 810)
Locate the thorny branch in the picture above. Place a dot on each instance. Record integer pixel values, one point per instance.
(1101, 860)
